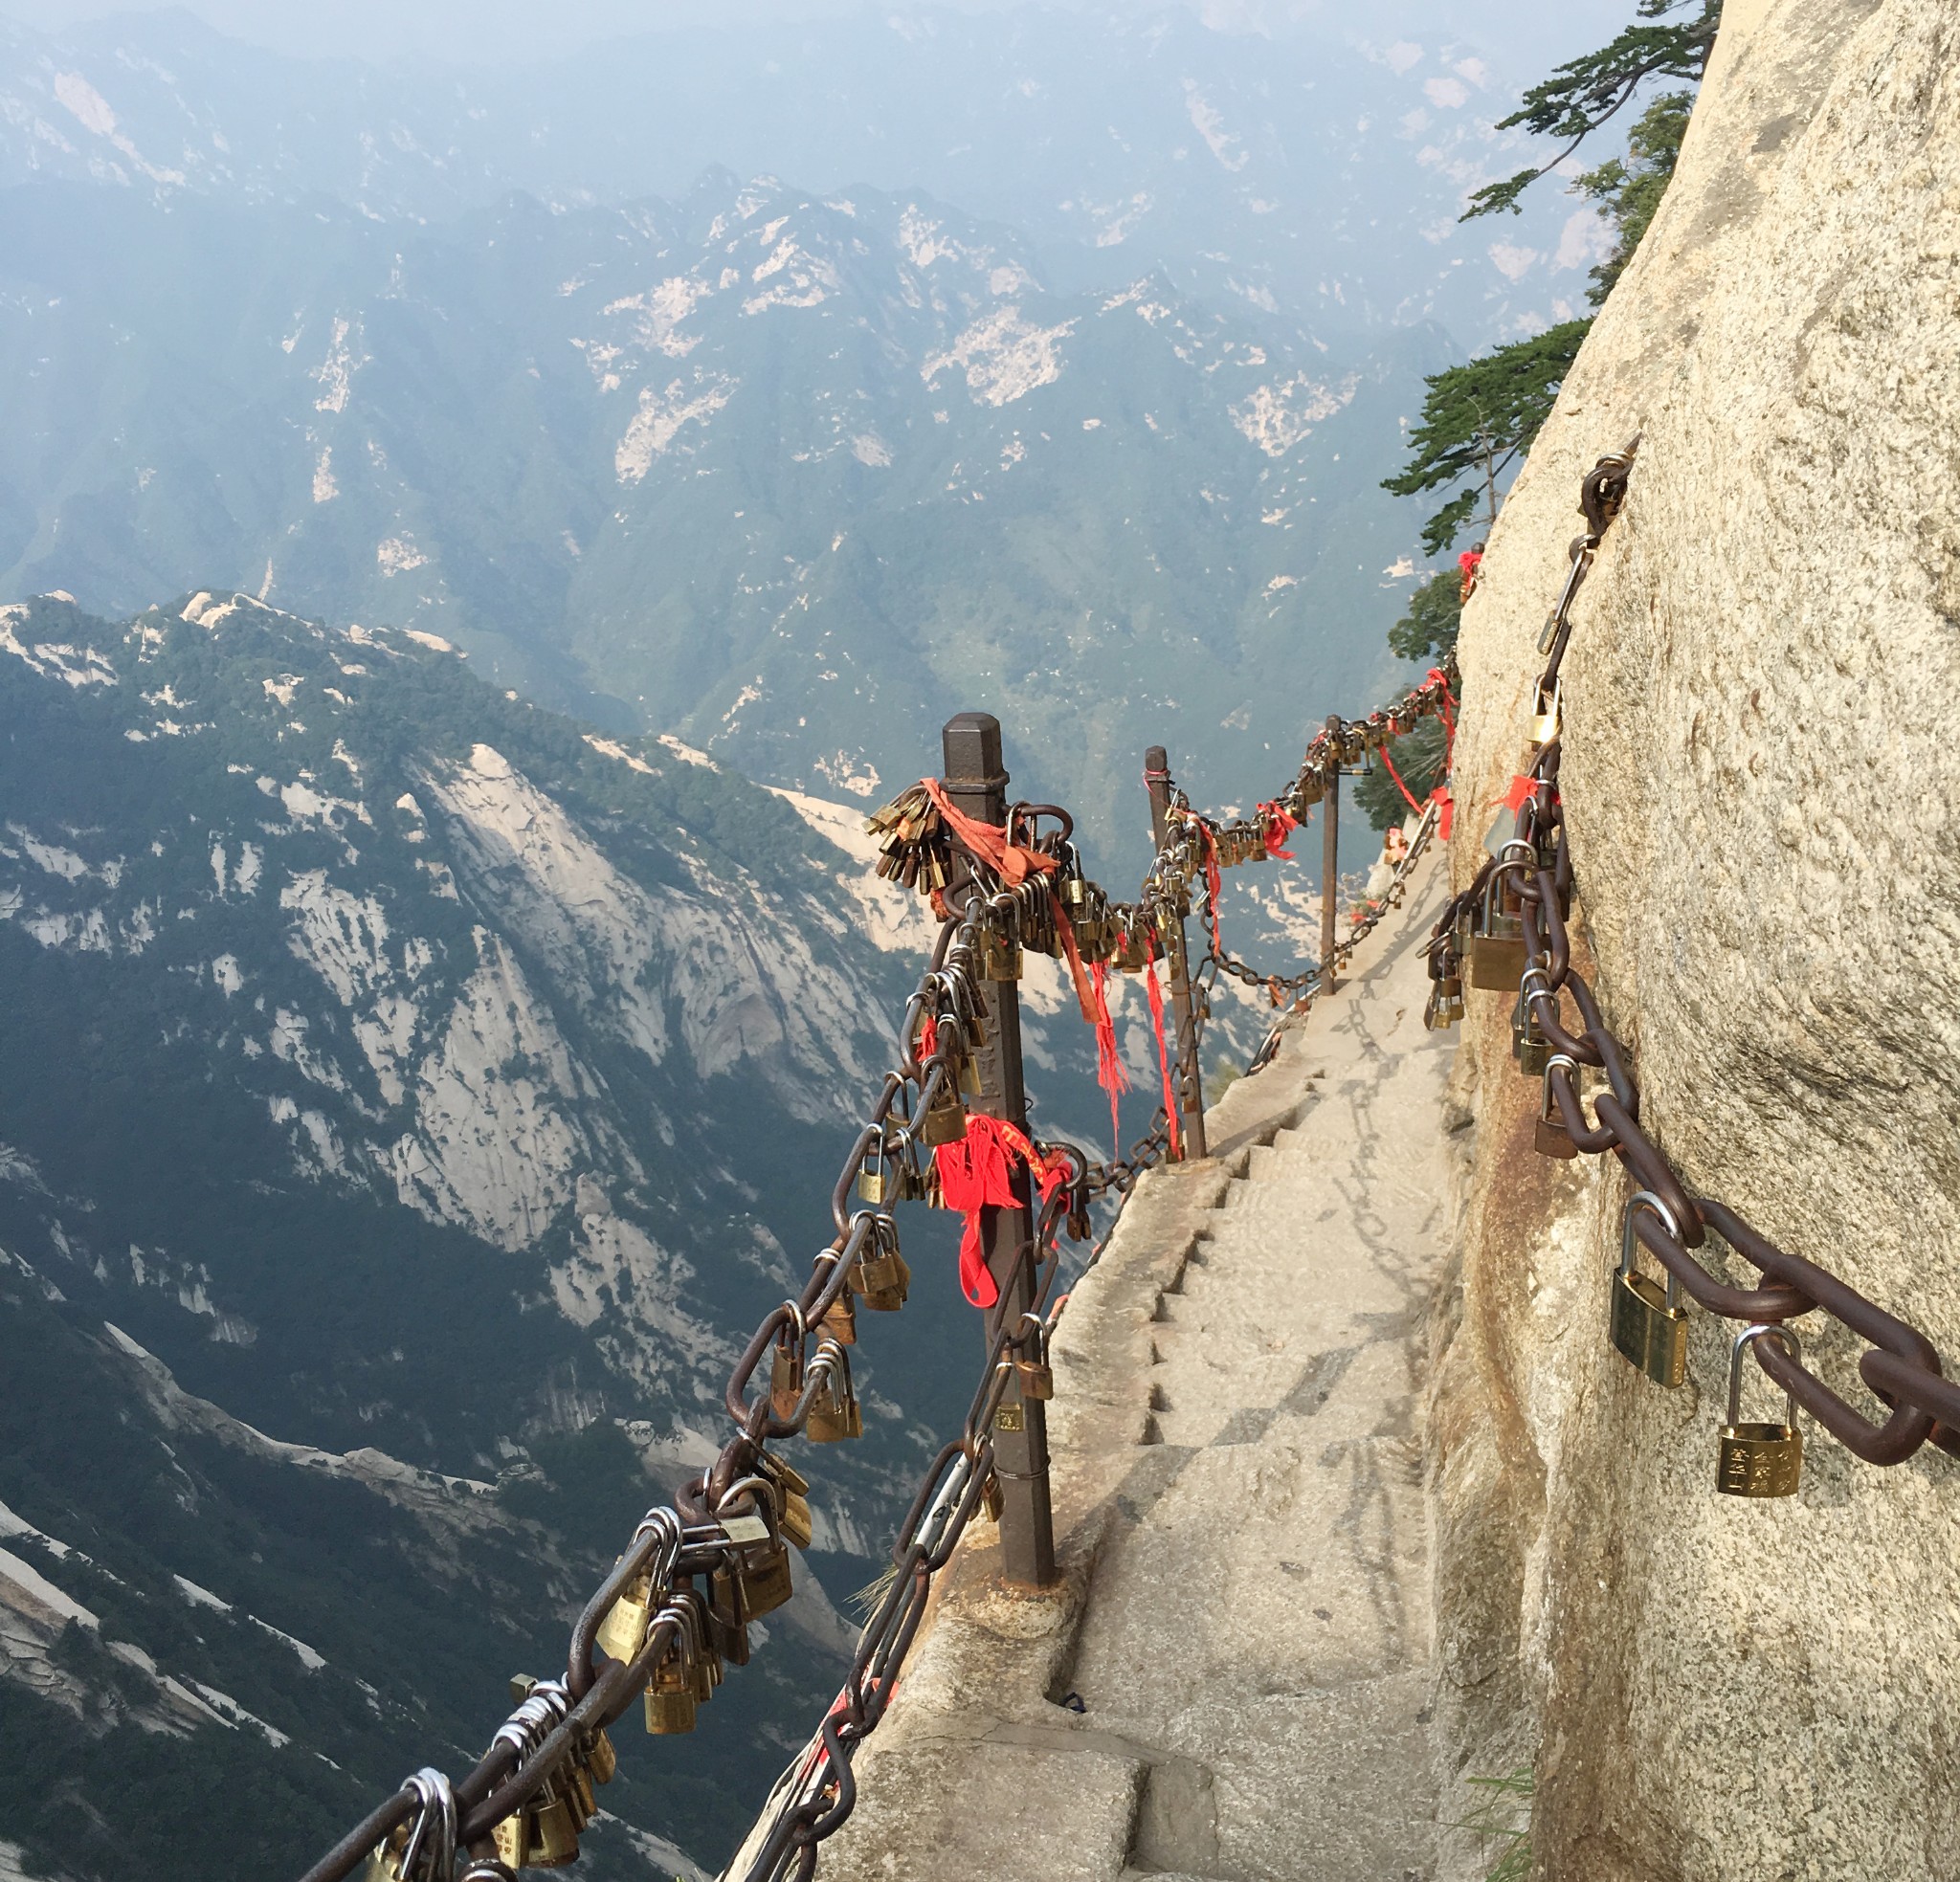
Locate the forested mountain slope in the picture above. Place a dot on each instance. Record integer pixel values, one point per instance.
(408, 1101)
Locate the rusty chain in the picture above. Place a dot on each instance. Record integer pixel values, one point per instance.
(679, 1601)
(1516, 911)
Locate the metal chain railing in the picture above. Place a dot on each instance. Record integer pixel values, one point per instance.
(677, 1605)
(1509, 925)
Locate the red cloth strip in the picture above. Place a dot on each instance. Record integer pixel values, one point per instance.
(1409, 796)
(1277, 825)
(1111, 1073)
(1013, 862)
(1156, 994)
(977, 1173)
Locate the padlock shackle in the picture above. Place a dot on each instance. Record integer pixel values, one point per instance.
(1792, 1345)
(1644, 1199)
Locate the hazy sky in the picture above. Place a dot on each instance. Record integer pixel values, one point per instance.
(505, 29)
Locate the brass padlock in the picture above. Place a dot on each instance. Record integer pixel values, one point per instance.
(1496, 940)
(1529, 1046)
(1445, 1006)
(990, 1499)
(1544, 715)
(1650, 1327)
(708, 1663)
(726, 1623)
(1000, 956)
(793, 1497)
(875, 1184)
(553, 1828)
(672, 1695)
(623, 1632)
(1759, 1460)
(835, 1413)
(753, 1579)
(786, 1375)
(946, 1118)
(880, 1273)
(1550, 1136)
(1036, 1376)
(540, 1834)
(840, 1320)
(1133, 952)
(601, 1761)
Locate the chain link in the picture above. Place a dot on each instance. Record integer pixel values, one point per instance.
(1667, 1215)
(730, 1522)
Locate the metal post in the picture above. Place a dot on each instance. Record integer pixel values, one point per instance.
(1330, 865)
(1190, 1083)
(976, 782)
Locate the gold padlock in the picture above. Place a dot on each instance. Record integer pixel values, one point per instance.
(835, 1413)
(990, 1499)
(1544, 715)
(946, 1118)
(727, 1624)
(840, 1320)
(674, 1694)
(1445, 1006)
(601, 1761)
(1550, 1137)
(1496, 940)
(1036, 1376)
(1759, 1460)
(623, 1632)
(1529, 1046)
(1000, 956)
(552, 1830)
(880, 1273)
(875, 1184)
(792, 1499)
(786, 1375)
(1650, 1327)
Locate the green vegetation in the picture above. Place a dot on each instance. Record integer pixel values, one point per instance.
(1502, 1803)
(1629, 189)
(1584, 93)
(1478, 421)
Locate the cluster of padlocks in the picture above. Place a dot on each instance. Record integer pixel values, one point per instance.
(1487, 930)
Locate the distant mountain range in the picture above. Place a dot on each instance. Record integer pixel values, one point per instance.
(387, 1073)
(792, 469)
(426, 1054)
(1314, 173)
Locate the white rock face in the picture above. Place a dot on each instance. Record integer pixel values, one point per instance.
(497, 1142)
(1759, 773)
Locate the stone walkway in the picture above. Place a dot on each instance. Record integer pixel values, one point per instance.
(1244, 1622)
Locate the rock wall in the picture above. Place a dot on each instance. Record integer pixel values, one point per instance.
(1760, 776)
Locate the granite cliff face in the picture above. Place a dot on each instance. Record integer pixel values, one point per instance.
(1758, 775)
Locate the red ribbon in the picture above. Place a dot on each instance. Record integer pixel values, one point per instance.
(1156, 994)
(978, 1173)
(1013, 862)
(1111, 1073)
(1277, 825)
(1409, 796)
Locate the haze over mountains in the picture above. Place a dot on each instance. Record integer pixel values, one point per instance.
(423, 1062)
(1104, 366)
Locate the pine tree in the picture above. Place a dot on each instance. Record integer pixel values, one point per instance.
(1583, 93)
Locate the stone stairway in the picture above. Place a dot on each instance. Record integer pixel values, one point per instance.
(1233, 1682)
